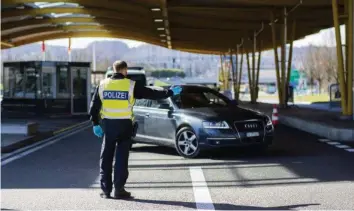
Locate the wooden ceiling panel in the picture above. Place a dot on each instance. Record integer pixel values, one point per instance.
(205, 26)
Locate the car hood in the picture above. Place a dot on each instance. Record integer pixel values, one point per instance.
(225, 113)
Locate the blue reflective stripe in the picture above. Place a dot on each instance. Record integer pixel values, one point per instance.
(115, 95)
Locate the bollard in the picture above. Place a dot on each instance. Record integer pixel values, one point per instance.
(275, 119)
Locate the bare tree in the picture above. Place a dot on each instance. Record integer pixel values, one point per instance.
(320, 62)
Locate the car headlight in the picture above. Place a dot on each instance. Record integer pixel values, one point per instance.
(268, 120)
(216, 125)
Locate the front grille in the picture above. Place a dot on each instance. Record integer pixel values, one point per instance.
(246, 127)
(249, 126)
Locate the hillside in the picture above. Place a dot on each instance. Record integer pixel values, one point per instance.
(151, 56)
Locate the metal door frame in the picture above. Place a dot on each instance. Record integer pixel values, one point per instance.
(88, 90)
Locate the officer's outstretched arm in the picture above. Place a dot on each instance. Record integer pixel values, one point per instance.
(142, 92)
(95, 107)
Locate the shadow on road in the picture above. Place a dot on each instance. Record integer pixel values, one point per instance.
(74, 163)
(218, 206)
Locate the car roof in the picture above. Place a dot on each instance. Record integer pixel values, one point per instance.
(188, 86)
(198, 87)
(130, 72)
(142, 72)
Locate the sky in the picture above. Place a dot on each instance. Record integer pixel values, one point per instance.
(324, 37)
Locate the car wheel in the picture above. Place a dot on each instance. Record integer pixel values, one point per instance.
(187, 144)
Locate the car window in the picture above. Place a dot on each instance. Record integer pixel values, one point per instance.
(141, 102)
(214, 98)
(139, 78)
(200, 97)
(157, 103)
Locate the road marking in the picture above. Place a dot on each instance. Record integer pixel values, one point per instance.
(333, 143)
(48, 141)
(70, 127)
(22, 149)
(323, 140)
(342, 146)
(337, 144)
(201, 192)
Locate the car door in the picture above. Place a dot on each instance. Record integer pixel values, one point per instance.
(139, 117)
(160, 124)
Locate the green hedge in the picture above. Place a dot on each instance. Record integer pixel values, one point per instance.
(167, 73)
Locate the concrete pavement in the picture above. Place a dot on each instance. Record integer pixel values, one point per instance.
(298, 172)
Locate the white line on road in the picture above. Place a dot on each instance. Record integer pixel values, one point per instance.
(22, 149)
(333, 143)
(337, 144)
(323, 140)
(201, 192)
(49, 142)
(342, 146)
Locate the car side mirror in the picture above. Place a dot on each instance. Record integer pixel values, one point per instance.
(165, 106)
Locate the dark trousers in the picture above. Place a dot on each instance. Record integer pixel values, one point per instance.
(117, 140)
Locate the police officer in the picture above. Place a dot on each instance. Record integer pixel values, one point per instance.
(112, 103)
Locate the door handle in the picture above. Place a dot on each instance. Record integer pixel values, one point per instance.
(147, 115)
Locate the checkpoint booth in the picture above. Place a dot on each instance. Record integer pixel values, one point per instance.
(46, 87)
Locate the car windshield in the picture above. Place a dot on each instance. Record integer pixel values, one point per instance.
(139, 78)
(192, 97)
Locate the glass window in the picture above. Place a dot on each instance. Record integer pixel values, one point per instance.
(9, 82)
(157, 103)
(79, 76)
(31, 83)
(19, 83)
(200, 97)
(48, 82)
(63, 82)
(141, 102)
(139, 78)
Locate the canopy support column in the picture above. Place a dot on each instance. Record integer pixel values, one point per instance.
(287, 83)
(342, 84)
(276, 58)
(236, 73)
(253, 81)
(233, 73)
(258, 68)
(249, 75)
(253, 85)
(350, 75)
(283, 61)
(238, 88)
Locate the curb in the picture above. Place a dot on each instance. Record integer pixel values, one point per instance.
(315, 128)
(37, 138)
(322, 130)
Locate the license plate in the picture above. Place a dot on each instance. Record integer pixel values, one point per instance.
(252, 134)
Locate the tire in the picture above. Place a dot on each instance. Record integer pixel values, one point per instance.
(192, 143)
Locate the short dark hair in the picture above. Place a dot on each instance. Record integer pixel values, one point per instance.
(119, 65)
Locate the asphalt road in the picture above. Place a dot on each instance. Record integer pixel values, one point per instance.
(298, 172)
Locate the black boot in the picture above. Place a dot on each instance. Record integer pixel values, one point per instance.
(122, 194)
(105, 195)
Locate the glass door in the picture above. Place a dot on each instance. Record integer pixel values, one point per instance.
(49, 81)
(80, 92)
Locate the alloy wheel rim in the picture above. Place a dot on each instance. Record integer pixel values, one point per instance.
(187, 143)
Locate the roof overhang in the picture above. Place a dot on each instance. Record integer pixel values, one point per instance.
(197, 26)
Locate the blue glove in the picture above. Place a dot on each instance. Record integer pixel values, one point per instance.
(176, 90)
(97, 130)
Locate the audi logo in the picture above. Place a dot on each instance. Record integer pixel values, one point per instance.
(251, 126)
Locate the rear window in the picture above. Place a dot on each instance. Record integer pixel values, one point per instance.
(139, 78)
